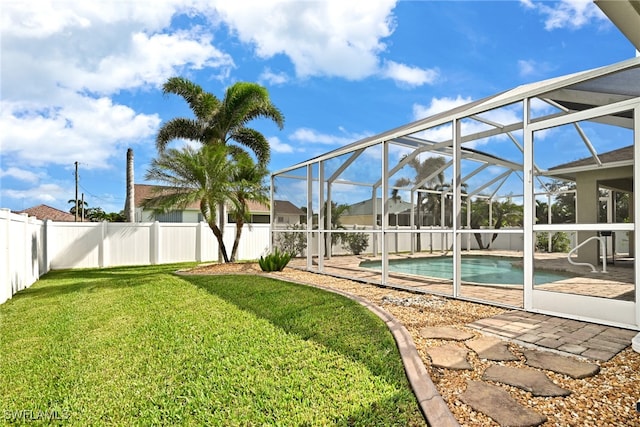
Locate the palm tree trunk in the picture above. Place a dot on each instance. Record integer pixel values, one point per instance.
(236, 241)
(222, 250)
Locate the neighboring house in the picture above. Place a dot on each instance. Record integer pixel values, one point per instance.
(361, 213)
(286, 213)
(614, 172)
(44, 212)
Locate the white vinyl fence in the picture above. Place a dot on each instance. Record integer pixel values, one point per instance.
(31, 247)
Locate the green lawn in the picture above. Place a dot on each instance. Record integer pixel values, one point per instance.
(141, 345)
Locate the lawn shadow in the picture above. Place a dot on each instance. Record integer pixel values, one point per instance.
(331, 320)
(92, 280)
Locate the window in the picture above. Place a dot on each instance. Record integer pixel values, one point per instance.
(172, 216)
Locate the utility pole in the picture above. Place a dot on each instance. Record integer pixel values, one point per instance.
(76, 199)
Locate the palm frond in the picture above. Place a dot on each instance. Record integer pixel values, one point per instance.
(253, 140)
(178, 128)
(202, 103)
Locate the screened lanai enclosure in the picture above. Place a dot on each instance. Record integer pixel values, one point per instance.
(523, 199)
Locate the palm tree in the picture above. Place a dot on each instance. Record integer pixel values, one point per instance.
(337, 211)
(247, 184)
(424, 169)
(79, 206)
(194, 175)
(221, 121)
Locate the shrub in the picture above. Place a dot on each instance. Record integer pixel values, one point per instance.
(292, 242)
(355, 242)
(559, 242)
(275, 261)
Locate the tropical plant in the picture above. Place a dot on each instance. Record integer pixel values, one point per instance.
(275, 261)
(505, 214)
(337, 211)
(355, 243)
(247, 184)
(219, 121)
(194, 176)
(429, 175)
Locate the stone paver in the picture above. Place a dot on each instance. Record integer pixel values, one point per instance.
(561, 364)
(445, 333)
(585, 339)
(491, 348)
(499, 405)
(449, 356)
(535, 382)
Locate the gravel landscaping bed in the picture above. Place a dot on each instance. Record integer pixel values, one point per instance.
(607, 399)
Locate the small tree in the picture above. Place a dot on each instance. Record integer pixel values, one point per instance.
(355, 243)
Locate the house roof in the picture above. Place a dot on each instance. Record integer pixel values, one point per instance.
(143, 192)
(44, 212)
(365, 207)
(286, 207)
(619, 155)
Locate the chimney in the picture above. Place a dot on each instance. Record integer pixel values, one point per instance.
(129, 205)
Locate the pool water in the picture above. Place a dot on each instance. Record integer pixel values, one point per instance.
(477, 269)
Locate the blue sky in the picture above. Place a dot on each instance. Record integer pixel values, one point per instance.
(81, 80)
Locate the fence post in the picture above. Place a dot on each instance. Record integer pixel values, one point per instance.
(154, 241)
(199, 241)
(45, 245)
(7, 288)
(28, 266)
(103, 246)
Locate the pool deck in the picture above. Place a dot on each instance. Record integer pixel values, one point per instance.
(617, 283)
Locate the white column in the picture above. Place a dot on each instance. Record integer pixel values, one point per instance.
(322, 232)
(385, 212)
(457, 181)
(529, 208)
(636, 211)
(309, 217)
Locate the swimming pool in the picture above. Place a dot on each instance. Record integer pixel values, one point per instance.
(476, 269)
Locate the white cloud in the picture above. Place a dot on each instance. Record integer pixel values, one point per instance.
(526, 67)
(279, 147)
(20, 175)
(438, 105)
(43, 193)
(63, 60)
(272, 78)
(86, 129)
(322, 38)
(566, 13)
(407, 75)
(311, 136)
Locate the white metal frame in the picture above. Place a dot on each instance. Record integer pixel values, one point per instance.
(605, 109)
